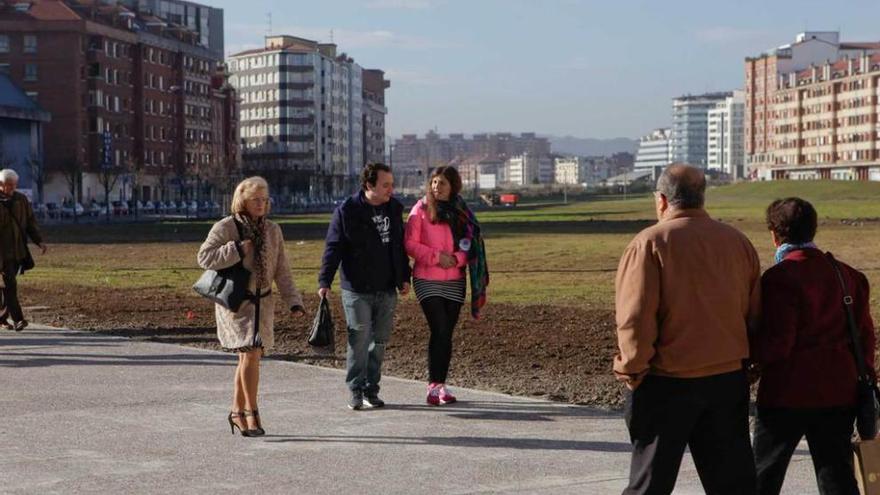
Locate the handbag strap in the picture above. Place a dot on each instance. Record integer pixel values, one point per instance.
(858, 354)
(238, 229)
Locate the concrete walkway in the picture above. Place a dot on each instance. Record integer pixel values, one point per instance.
(94, 414)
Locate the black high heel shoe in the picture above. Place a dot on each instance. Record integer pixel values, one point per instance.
(258, 431)
(233, 425)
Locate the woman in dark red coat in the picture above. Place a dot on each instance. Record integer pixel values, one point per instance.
(808, 372)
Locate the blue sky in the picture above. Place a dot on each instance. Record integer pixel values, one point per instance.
(583, 68)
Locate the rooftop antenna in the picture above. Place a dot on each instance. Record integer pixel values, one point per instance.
(269, 23)
(331, 35)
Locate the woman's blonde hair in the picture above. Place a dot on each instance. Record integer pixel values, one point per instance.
(247, 189)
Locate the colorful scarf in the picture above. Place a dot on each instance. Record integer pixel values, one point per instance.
(783, 249)
(467, 236)
(255, 230)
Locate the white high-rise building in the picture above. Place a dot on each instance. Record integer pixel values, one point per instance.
(527, 169)
(569, 170)
(301, 115)
(725, 143)
(690, 116)
(655, 150)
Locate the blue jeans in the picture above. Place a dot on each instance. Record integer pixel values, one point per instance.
(370, 316)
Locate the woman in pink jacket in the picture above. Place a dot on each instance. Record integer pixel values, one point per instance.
(443, 238)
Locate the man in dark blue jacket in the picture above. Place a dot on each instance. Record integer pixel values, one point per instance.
(366, 237)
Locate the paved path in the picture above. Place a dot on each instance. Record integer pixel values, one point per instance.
(94, 414)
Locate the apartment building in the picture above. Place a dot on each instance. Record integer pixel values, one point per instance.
(130, 94)
(528, 169)
(764, 75)
(569, 170)
(690, 125)
(205, 21)
(655, 150)
(725, 138)
(824, 122)
(374, 111)
(302, 115)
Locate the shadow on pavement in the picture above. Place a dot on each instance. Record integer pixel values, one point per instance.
(479, 442)
(38, 359)
(508, 410)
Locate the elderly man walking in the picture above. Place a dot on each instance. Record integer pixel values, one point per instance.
(18, 226)
(687, 290)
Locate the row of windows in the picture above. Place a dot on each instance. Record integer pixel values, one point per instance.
(197, 111)
(110, 48)
(198, 158)
(260, 61)
(158, 107)
(28, 45)
(30, 71)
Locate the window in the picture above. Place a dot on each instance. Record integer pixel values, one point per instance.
(30, 72)
(4, 43)
(30, 43)
(4, 69)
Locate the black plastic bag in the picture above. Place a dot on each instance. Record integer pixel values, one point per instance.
(323, 330)
(867, 410)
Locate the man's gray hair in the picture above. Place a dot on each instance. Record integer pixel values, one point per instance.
(8, 175)
(683, 185)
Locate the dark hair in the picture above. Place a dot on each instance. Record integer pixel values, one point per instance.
(451, 175)
(793, 220)
(370, 174)
(683, 185)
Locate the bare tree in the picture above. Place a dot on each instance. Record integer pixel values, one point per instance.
(136, 176)
(109, 176)
(72, 170)
(38, 175)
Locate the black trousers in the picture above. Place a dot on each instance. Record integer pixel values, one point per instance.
(710, 415)
(778, 432)
(10, 293)
(442, 316)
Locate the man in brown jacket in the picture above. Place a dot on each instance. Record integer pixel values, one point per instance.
(687, 290)
(17, 225)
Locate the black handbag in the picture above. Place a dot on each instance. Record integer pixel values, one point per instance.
(226, 287)
(323, 329)
(868, 400)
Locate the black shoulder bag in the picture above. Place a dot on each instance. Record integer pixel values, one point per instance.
(226, 287)
(868, 395)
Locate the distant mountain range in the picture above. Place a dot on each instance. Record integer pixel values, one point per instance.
(569, 145)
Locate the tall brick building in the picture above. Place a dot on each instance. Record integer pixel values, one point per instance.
(134, 100)
(810, 107)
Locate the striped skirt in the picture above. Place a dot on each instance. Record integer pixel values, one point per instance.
(454, 290)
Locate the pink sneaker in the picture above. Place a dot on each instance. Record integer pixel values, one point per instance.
(433, 398)
(446, 396)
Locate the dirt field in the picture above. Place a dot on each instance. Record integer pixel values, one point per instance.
(548, 329)
(556, 353)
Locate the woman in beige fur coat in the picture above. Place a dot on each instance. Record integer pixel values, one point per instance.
(261, 246)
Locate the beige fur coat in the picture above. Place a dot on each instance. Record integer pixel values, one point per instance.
(236, 329)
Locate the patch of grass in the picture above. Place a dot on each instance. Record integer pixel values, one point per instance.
(540, 254)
